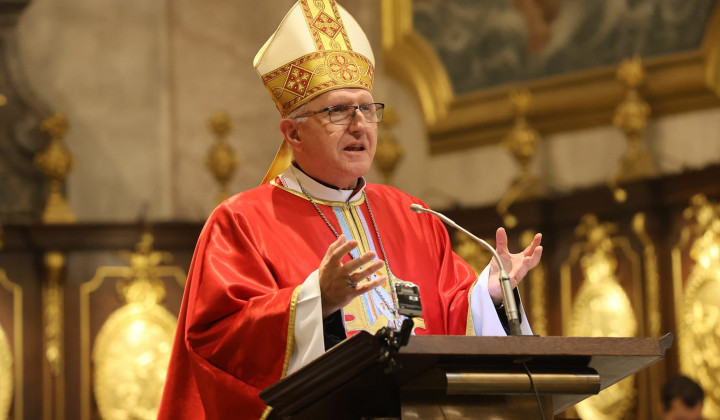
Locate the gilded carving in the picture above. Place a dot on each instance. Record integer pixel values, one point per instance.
(389, 151)
(6, 375)
(53, 312)
(221, 160)
(601, 308)
(652, 276)
(652, 300)
(521, 142)
(11, 368)
(56, 163)
(699, 310)
(132, 349)
(472, 252)
(631, 118)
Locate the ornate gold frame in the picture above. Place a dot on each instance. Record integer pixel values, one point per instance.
(16, 291)
(86, 289)
(675, 83)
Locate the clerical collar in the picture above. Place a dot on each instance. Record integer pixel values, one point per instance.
(293, 176)
(295, 164)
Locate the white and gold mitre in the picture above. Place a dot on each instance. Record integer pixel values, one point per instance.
(317, 47)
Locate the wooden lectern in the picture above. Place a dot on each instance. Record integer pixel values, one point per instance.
(458, 377)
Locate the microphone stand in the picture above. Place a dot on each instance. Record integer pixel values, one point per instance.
(511, 310)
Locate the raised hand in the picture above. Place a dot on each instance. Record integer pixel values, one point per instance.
(341, 283)
(516, 265)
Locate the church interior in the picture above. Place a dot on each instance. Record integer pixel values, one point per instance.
(126, 123)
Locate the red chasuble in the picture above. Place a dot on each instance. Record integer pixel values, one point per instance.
(236, 324)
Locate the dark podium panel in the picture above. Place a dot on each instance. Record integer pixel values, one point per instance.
(459, 377)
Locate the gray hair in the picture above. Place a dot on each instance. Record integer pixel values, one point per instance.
(297, 111)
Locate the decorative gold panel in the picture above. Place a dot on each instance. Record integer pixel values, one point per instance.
(12, 370)
(53, 348)
(131, 356)
(6, 375)
(601, 306)
(696, 281)
(131, 352)
(676, 82)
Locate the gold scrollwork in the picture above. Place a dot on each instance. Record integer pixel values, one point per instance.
(699, 307)
(601, 309)
(132, 349)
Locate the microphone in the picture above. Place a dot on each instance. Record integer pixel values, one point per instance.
(510, 306)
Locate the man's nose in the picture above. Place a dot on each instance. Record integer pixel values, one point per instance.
(358, 120)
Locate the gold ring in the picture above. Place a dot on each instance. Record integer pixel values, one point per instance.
(349, 283)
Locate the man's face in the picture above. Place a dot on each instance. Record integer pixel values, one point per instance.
(336, 154)
(679, 411)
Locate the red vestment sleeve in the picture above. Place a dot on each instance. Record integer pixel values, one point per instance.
(232, 336)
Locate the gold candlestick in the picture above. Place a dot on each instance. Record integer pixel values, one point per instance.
(56, 163)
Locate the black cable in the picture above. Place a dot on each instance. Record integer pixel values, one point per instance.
(537, 396)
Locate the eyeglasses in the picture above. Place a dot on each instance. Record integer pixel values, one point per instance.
(344, 114)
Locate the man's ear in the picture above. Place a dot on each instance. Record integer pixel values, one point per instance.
(289, 130)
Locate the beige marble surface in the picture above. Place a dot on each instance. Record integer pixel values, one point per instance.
(139, 81)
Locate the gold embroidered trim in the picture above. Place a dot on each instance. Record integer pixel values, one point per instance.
(304, 78)
(289, 345)
(470, 325)
(291, 331)
(266, 413)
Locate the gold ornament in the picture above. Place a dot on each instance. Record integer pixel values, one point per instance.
(699, 322)
(221, 160)
(521, 142)
(6, 375)
(472, 252)
(389, 151)
(631, 118)
(602, 309)
(132, 349)
(56, 162)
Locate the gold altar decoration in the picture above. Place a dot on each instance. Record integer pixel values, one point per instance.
(6, 375)
(56, 162)
(521, 142)
(472, 252)
(221, 160)
(6, 362)
(677, 82)
(11, 372)
(389, 151)
(537, 283)
(601, 308)
(132, 348)
(631, 118)
(53, 372)
(697, 298)
(652, 301)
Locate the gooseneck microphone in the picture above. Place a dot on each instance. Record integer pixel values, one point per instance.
(510, 306)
